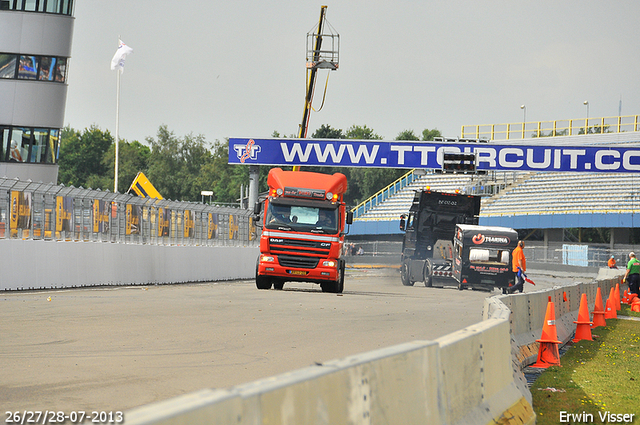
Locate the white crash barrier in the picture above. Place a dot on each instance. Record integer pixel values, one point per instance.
(463, 378)
(527, 312)
(78, 264)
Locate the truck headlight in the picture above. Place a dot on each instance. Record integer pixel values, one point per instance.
(329, 263)
(266, 259)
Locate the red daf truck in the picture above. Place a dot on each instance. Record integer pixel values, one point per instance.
(303, 230)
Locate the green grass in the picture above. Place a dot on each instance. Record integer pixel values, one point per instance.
(595, 376)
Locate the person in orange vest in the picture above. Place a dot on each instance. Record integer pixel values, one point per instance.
(519, 266)
(612, 263)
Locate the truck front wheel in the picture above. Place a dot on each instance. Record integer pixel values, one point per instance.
(338, 286)
(262, 282)
(404, 274)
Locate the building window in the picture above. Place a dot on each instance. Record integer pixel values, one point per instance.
(62, 7)
(32, 67)
(8, 65)
(4, 139)
(30, 5)
(24, 144)
(54, 147)
(39, 148)
(28, 68)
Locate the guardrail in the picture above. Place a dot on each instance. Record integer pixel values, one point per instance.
(37, 211)
(523, 130)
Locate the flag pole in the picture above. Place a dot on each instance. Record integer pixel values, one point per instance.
(117, 64)
(115, 179)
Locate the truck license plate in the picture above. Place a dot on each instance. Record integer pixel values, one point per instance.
(298, 272)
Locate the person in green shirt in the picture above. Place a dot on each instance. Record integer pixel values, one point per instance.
(632, 276)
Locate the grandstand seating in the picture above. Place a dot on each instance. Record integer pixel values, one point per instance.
(525, 193)
(553, 193)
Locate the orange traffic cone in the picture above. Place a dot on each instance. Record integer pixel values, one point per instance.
(610, 311)
(598, 311)
(548, 353)
(636, 307)
(617, 297)
(625, 297)
(583, 330)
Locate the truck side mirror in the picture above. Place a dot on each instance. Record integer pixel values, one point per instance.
(403, 223)
(349, 217)
(257, 208)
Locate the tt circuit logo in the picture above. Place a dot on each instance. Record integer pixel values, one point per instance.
(248, 151)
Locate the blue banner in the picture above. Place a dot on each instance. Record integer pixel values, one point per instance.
(400, 154)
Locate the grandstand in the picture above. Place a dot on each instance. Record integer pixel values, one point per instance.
(561, 193)
(399, 202)
(523, 199)
(509, 194)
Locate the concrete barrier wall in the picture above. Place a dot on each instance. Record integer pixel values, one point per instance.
(473, 376)
(49, 264)
(527, 312)
(463, 378)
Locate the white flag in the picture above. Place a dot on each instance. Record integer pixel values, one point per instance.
(118, 59)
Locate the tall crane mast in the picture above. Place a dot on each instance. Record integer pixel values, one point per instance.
(317, 58)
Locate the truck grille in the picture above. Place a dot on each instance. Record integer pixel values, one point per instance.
(300, 262)
(297, 246)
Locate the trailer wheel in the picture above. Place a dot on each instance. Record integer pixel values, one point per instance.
(427, 275)
(404, 274)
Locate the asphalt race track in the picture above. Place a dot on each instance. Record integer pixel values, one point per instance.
(113, 349)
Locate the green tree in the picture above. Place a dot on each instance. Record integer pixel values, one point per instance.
(81, 155)
(596, 129)
(551, 133)
(176, 164)
(362, 133)
(326, 132)
(224, 179)
(407, 135)
(132, 158)
(429, 135)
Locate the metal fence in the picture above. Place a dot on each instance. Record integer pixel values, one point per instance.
(567, 253)
(522, 130)
(44, 211)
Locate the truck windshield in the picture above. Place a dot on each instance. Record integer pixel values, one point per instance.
(301, 218)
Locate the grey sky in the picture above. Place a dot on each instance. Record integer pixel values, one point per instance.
(236, 68)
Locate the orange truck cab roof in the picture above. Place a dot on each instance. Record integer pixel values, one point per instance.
(334, 183)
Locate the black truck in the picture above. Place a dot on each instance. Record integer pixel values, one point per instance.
(482, 257)
(434, 221)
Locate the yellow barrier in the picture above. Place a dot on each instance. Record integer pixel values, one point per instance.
(523, 130)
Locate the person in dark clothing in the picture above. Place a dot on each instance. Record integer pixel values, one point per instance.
(632, 275)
